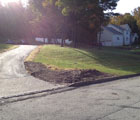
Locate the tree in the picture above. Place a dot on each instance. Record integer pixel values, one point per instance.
(74, 15)
(136, 14)
(127, 18)
(87, 13)
(50, 20)
(133, 20)
(13, 21)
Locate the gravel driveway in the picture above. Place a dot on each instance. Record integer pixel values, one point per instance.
(14, 79)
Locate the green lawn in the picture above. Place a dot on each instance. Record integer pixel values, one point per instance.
(136, 50)
(110, 60)
(5, 47)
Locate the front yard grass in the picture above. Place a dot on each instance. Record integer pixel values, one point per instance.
(109, 60)
(6, 47)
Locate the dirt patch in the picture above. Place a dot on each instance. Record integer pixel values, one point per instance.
(63, 76)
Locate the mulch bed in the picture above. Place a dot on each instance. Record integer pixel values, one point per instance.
(45, 73)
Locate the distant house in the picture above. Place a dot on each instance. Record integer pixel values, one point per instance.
(114, 35)
(52, 41)
(10, 42)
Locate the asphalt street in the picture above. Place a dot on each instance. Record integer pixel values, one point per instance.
(14, 79)
(117, 100)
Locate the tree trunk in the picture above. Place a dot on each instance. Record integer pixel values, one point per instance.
(62, 43)
(75, 40)
(100, 45)
(44, 41)
(75, 35)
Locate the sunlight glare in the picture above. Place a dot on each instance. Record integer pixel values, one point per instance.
(4, 2)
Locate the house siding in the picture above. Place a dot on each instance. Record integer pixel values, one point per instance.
(106, 38)
(113, 35)
(116, 41)
(127, 38)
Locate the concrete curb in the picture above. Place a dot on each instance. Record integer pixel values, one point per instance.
(79, 84)
(31, 95)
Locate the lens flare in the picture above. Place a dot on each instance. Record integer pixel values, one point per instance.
(4, 2)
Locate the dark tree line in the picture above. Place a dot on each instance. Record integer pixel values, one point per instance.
(77, 20)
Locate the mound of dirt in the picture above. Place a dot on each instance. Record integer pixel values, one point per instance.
(42, 72)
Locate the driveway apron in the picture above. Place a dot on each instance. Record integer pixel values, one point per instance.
(14, 79)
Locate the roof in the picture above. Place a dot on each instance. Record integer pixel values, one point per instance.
(112, 30)
(118, 27)
(125, 26)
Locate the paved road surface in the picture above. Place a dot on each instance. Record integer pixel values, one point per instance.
(118, 100)
(13, 77)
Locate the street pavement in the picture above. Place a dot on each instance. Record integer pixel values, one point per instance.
(117, 100)
(14, 79)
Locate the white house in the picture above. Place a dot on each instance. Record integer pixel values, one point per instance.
(53, 41)
(113, 35)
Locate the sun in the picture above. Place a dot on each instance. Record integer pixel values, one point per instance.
(4, 2)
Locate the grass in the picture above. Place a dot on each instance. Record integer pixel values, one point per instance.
(136, 50)
(109, 60)
(5, 47)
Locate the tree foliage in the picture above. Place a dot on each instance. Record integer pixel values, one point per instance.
(125, 19)
(13, 21)
(77, 20)
(73, 15)
(136, 14)
(133, 20)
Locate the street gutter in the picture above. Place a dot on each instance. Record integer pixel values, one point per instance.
(43, 93)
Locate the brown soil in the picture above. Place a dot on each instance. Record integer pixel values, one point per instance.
(42, 72)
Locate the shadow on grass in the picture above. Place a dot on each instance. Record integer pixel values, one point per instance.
(114, 58)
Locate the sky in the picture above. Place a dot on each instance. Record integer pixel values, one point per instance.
(124, 6)
(127, 6)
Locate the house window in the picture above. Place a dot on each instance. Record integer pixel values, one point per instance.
(118, 38)
(127, 32)
(127, 39)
